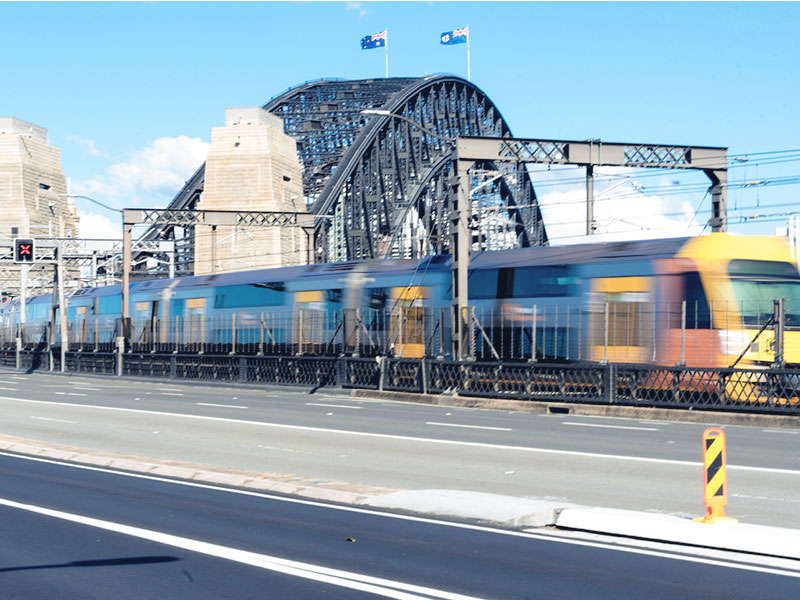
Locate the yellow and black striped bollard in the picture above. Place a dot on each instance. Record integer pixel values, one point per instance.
(715, 477)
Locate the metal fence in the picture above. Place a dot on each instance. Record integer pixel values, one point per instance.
(628, 329)
(747, 390)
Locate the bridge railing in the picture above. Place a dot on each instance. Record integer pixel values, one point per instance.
(774, 391)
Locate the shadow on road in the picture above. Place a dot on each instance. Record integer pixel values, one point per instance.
(103, 562)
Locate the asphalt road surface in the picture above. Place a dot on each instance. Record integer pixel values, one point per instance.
(632, 464)
(71, 532)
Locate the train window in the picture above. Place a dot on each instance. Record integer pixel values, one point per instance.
(377, 298)
(541, 282)
(109, 305)
(333, 295)
(483, 283)
(758, 283)
(257, 294)
(697, 313)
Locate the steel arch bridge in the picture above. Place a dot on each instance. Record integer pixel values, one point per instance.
(380, 184)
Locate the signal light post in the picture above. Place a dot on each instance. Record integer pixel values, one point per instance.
(24, 255)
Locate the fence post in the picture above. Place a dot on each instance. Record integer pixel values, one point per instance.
(19, 350)
(423, 365)
(243, 369)
(610, 375)
(605, 337)
(233, 333)
(779, 314)
(381, 371)
(683, 334)
(173, 366)
(532, 359)
(120, 350)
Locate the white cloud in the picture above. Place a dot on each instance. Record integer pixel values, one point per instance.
(98, 227)
(624, 213)
(357, 6)
(150, 177)
(88, 145)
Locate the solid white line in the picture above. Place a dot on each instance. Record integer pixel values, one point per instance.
(49, 419)
(9, 389)
(171, 394)
(219, 405)
(764, 430)
(467, 426)
(333, 405)
(665, 461)
(346, 579)
(609, 426)
(416, 519)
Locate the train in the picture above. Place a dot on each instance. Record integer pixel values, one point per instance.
(697, 301)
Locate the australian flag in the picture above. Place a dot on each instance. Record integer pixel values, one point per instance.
(368, 42)
(457, 36)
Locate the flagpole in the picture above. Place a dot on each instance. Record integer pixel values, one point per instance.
(468, 69)
(386, 31)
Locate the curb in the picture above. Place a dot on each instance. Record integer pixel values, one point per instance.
(329, 491)
(679, 415)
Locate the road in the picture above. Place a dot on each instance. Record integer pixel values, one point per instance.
(80, 532)
(632, 464)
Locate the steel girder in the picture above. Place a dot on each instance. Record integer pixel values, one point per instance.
(383, 184)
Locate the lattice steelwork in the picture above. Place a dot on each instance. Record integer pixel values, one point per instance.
(381, 183)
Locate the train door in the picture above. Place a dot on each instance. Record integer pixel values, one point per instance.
(79, 333)
(309, 320)
(621, 319)
(195, 321)
(407, 320)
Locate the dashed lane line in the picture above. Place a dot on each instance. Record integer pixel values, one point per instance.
(220, 405)
(609, 426)
(643, 459)
(467, 426)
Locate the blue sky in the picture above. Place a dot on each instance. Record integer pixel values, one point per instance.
(130, 91)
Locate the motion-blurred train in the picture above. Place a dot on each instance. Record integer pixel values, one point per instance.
(692, 301)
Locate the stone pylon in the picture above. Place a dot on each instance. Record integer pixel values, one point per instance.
(252, 166)
(33, 201)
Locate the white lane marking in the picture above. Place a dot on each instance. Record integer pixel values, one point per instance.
(219, 405)
(49, 419)
(665, 461)
(609, 426)
(9, 389)
(764, 430)
(10, 382)
(43, 385)
(171, 394)
(61, 393)
(166, 389)
(74, 394)
(467, 426)
(88, 388)
(330, 405)
(18, 377)
(347, 579)
(427, 520)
